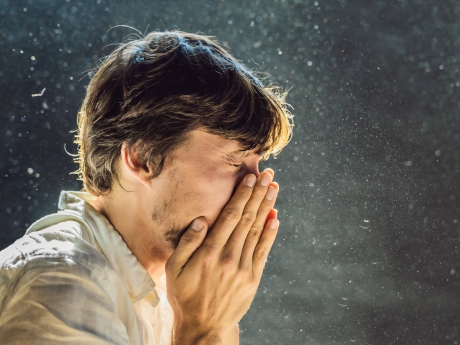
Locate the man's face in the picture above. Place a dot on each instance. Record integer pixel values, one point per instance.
(197, 180)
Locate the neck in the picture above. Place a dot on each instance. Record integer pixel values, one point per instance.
(125, 214)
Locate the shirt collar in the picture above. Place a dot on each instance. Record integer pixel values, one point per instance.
(137, 280)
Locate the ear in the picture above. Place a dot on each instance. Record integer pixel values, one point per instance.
(131, 164)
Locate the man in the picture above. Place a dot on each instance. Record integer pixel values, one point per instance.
(168, 241)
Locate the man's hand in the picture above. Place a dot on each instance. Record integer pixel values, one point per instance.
(212, 280)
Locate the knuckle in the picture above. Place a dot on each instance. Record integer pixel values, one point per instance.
(231, 216)
(258, 194)
(228, 261)
(247, 219)
(261, 253)
(207, 260)
(209, 255)
(246, 193)
(245, 267)
(254, 233)
(187, 239)
(209, 250)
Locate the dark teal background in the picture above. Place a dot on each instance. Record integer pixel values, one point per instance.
(368, 249)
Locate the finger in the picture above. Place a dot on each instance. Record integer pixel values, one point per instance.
(231, 214)
(251, 224)
(253, 237)
(261, 222)
(271, 172)
(272, 214)
(263, 247)
(189, 242)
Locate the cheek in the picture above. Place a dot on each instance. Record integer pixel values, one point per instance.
(223, 186)
(212, 190)
(221, 190)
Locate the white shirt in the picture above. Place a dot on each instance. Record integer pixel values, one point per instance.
(72, 279)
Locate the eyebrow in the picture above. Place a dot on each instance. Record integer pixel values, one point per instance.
(239, 153)
(244, 153)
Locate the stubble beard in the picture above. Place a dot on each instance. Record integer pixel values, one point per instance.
(174, 233)
(173, 236)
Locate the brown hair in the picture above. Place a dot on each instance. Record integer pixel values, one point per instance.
(153, 91)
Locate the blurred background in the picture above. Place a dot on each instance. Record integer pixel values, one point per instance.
(368, 249)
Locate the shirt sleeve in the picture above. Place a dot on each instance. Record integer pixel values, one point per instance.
(56, 301)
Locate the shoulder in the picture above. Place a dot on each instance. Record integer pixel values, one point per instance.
(62, 240)
(56, 297)
(59, 245)
(60, 286)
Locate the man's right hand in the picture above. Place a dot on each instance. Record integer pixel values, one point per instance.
(212, 280)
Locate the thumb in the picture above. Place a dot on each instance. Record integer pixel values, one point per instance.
(189, 242)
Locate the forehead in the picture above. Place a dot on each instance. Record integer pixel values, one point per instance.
(211, 143)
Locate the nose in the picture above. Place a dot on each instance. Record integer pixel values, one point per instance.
(252, 167)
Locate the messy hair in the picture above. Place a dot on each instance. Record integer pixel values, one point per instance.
(153, 91)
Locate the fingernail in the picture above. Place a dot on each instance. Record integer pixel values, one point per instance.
(270, 193)
(265, 179)
(274, 223)
(251, 181)
(270, 171)
(197, 225)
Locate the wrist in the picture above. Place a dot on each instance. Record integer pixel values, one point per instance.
(184, 334)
